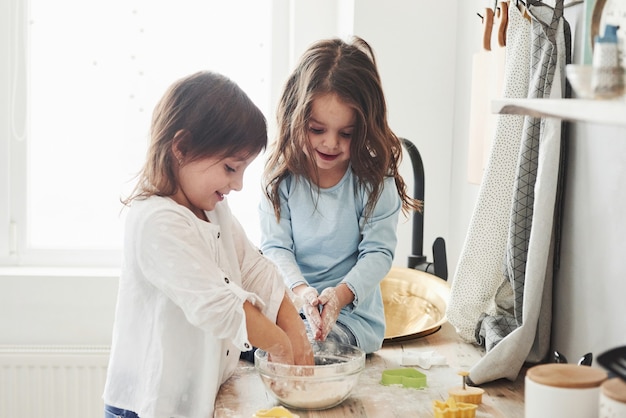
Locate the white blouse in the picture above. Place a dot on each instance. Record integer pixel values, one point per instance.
(179, 323)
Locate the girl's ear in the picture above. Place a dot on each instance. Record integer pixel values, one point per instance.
(179, 145)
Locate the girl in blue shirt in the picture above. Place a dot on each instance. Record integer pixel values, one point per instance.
(334, 192)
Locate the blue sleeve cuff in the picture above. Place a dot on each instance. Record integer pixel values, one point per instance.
(355, 302)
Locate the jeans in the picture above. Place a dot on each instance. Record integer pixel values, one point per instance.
(113, 412)
(248, 355)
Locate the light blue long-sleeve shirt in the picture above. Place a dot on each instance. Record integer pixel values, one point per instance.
(323, 240)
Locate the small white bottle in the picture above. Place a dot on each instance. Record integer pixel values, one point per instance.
(607, 76)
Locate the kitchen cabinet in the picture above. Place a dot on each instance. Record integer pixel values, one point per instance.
(609, 112)
(244, 394)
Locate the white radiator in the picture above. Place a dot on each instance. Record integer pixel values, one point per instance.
(52, 381)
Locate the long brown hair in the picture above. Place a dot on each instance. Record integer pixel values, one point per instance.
(218, 119)
(348, 70)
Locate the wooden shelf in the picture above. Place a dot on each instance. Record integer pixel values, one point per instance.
(610, 112)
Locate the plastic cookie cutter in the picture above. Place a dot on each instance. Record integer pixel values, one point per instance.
(275, 412)
(454, 409)
(408, 378)
(466, 393)
(423, 359)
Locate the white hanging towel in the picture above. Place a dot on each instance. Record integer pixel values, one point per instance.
(514, 325)
(479, 271)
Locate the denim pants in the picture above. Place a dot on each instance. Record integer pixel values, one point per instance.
(113, 412)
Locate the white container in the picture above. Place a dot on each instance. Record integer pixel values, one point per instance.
(562, 391)
(613, 399)
(607, 78)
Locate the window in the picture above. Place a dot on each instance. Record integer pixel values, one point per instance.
(84, 77)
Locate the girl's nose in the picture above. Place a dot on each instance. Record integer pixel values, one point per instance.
(237, 183)
(331, 140)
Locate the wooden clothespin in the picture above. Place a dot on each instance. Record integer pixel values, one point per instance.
(503, 20)
(487, 28)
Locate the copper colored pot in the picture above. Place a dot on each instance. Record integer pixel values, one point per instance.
(415, 303)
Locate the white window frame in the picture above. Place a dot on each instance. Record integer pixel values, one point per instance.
(296, 23)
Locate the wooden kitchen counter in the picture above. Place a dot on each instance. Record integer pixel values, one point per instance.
(244, 394)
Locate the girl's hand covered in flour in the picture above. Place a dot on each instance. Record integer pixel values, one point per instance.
(331, 306)
(310, 308)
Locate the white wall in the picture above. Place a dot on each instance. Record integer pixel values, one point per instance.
(590, 288)
(417, 65)
(57, 307)
(589, 308)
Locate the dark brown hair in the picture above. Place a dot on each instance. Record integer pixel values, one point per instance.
(218, 119)
(348, 70)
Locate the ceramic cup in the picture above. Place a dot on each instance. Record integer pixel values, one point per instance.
(562, 391)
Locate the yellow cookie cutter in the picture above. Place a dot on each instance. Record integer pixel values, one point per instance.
(454, 409)
(275, 412)
(466, 394)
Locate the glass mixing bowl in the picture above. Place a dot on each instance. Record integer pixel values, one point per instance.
(324, 385)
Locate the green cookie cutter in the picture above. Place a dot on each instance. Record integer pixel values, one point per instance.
(408, 378)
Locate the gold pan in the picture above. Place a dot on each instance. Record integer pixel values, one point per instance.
(415, 303)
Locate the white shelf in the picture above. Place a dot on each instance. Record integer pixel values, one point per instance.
(611, 112)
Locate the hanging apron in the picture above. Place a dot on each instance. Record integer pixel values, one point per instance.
(503, 300)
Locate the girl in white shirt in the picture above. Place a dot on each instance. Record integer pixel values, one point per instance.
(194, 292)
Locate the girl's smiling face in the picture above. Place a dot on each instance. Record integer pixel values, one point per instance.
(330, 131)
(204, 182)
